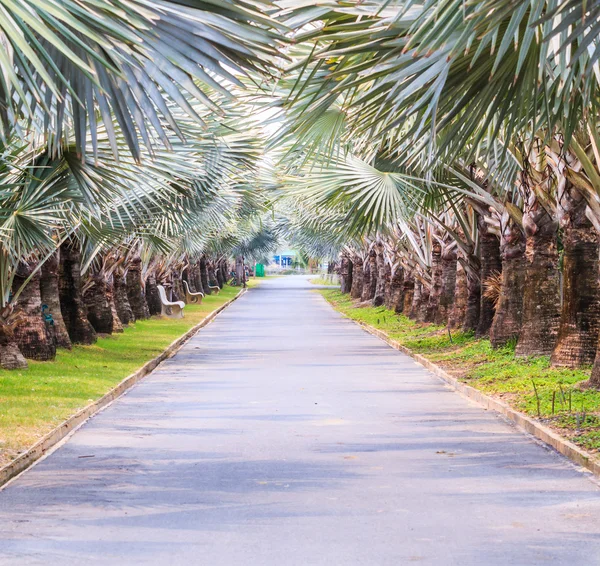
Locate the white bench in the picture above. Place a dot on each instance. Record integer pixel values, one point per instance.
(170, 309)
(214, 289)
(194, 298)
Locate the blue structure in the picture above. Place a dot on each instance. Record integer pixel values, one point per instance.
(285, 258)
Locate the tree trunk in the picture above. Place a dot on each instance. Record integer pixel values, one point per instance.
(491, 265)
(188, 277)
(345, 275)
(98, 304)
(110, 295)
(396, 301)
(417, 300)
(379, 287)
(369, 277)
(435, 292)
(135, 290)
(240, 273)
(31, 333)
(373, 269)
(152, 296)
(509, 314)
(357, 278)
(224, 271)
(473, 303)
(389, 291)
(178, 293)
(424, 303)
(212, 276)
(577, 339)
(50, 297)
(219, 276)
(349, 275)
(121, 300)
(408, 290)
(204, 275)
(458, 314)
(449, 267)
(10, 355)
(71, 298)
(541, 298)
(194, 279)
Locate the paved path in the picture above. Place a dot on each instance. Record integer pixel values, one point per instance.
(283, 434)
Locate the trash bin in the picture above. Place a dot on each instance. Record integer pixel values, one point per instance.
(260, 270)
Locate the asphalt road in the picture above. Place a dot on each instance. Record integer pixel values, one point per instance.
(282, 434)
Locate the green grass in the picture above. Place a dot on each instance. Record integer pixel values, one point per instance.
(35, 400)
(559, 402)
(322, 281)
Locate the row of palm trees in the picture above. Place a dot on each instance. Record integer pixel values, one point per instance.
(450, 152)
(128, 159)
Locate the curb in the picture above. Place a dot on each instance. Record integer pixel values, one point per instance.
(51, 439)
(529, 425)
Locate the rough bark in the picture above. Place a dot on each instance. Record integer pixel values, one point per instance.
(204, 275)
(509, 314)
(10, 355)
(212, 276)
(473, 305)
(110, 294)
(424, 304)
(219, 276)
(187, 276)
(152, 296)
(577, 339)
(379, 290)
(420, 301)
(435, 291)
(349, 275)
(71, 297)
(357, 278)
(396, 293)
(135, 290)
(345, 275)
(98, 304)
(240, 274)
(32, 334)
(387, 293)
(541, 298)
(374, 270)
(458, 314)
(50, 296)
(178, 293)
(408, 290)
(449, 266)
(224, 269)
(369, 277)
(121, 300)
(491, 264)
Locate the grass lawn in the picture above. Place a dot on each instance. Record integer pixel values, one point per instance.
(35, 400)
(529, 385)
(323, 281)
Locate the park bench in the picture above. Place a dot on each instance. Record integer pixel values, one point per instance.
(214, 289)
(170, 309)
(193, 298)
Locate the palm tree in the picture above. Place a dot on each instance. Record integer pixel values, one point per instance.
(68, 67)
(432, 88)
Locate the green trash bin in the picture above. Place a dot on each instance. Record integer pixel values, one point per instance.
(260, 270)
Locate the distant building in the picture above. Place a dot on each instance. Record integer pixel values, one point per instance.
(284, 259)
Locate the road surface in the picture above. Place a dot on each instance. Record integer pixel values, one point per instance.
(283, 434)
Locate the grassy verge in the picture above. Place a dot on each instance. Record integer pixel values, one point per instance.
(528, 385)
(321, 281)
(34, 401)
